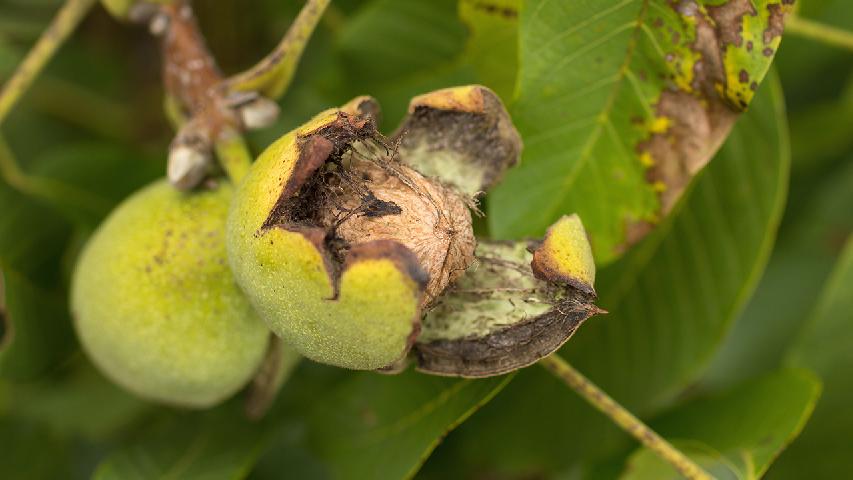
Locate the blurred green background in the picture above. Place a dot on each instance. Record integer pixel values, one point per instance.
(93, 125)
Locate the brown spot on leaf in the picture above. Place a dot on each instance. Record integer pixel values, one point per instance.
(495, 9)
(775, 22)
(728, 19)
(699, 119)
(696, 132)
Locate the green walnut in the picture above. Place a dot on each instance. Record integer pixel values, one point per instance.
(358, 250)
(155, 305)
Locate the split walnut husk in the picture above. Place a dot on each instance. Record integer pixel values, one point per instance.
(358, 250)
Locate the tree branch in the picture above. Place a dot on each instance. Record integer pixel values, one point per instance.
(622, 417)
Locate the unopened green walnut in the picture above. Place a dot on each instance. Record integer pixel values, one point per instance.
(155, 305)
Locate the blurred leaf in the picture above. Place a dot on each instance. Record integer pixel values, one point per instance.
(32, 453)
(80, 403)
(614, 117)
(671, 299)
(217, 444)
(391, 39)
(823, 451)
(803, 60)
(396, 49)
(809, 244)
(377, 427)
(492, 46)
(36, 329)
(737, 434)
(820, 131)
(99, 175)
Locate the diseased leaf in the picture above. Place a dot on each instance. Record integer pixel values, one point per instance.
(380, 427)
(823, 451)
(621, 103)
(737, 434)
(671, 300)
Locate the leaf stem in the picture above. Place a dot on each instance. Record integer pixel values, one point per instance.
(622, 417)
(821, 32)
(273, 74)
(65, 21)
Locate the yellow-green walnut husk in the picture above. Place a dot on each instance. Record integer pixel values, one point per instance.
(155, 305)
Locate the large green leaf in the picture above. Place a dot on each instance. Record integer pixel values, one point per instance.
(809, 244)
(368, 426)
(620, 103)
(385, 427)
(671, 300)
(735, 435)
(823, 451)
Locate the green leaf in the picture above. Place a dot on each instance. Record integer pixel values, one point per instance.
(428, 40)
(92, 178)
(32, 453)
(492, 47)
(737, 434)
(80, 403)
(671, 301)
(823, 451)
(377, 427)
(35, 330)
(809, 244)
(217, 444)
(620, 103)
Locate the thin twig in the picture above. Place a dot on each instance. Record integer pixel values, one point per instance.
(821, 32)
(623, 418)
(66, 20)
(272, 75)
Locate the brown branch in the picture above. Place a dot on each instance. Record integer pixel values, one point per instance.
(196, 90)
